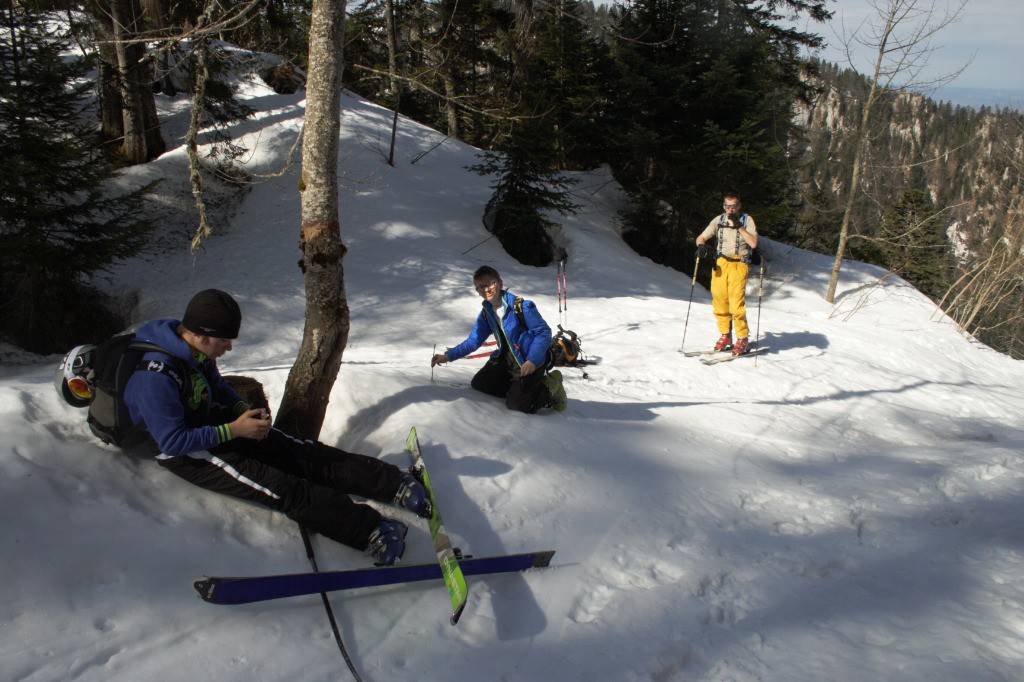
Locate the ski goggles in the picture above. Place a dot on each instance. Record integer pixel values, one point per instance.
(73, 367)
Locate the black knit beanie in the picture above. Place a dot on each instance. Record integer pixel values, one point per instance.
(213, 313)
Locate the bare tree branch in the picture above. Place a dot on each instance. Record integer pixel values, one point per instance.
(900, 32)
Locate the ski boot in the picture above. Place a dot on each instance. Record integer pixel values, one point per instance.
(387, 542)
(413, 496)
(559, 401)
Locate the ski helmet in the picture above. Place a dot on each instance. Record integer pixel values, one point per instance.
(71, 377)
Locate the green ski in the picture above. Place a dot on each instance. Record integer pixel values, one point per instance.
(447, 559)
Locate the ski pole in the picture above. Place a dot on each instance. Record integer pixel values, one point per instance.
(558, 284)
(757, 327)
(486, 352)
(311, 555)
(432, 363)
(563, 292)
(560, 256)
(686, 322)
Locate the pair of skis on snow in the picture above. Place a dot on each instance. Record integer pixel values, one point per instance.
(713, 357)
(450, 567)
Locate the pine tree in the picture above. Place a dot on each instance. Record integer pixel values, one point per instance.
(526, 188)
(551, 73)
(913, 244)
(704, 95)
(58, 224)
(569, 76)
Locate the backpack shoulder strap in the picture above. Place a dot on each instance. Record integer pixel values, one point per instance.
(517, 308)
(175, 369)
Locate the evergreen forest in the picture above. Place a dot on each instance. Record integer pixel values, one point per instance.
(683, 100)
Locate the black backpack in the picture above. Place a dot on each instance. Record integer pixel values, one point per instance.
(107, 369)
(565, 350)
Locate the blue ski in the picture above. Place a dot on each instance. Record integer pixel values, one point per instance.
(245, 590)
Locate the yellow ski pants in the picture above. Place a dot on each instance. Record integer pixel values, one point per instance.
(728, 286)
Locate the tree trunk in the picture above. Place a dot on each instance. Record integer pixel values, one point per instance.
(451, 113)
(142, 86)
(111, 120)
(396, 85)
(327, 314)
(157, 22)
(858, 161)
(128, 108)
(133, 141)
(851, 199)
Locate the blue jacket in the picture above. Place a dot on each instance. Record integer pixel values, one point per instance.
(154, 400)
(530, 343)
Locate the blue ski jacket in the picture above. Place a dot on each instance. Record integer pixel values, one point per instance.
(529, 343)
(200, 421)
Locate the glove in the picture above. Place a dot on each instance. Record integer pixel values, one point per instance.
(703, 252)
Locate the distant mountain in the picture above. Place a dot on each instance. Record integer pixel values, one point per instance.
(976, 98)
(967, 161)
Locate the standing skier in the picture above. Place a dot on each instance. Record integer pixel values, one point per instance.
(516, 370)
(209, 436)
(736, 237)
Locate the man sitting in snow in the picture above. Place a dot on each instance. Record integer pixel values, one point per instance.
(516, 370)
(211, 437)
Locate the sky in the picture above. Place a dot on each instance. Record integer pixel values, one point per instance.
(987, 38)
(844, 506)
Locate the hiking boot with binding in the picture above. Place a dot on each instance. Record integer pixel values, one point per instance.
(742, 347)
(387, 542)
(412, 495)
(559, 400)
(724, 342)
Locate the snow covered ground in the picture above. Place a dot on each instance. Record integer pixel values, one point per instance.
(846, 506)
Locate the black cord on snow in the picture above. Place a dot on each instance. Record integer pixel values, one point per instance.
(327, 607)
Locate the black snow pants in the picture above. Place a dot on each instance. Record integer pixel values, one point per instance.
(306, 480)
(501, 378)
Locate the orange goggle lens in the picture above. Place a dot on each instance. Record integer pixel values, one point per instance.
(80, 388)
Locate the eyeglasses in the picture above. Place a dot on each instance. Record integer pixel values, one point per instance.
(484, 288)
(730, 205)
